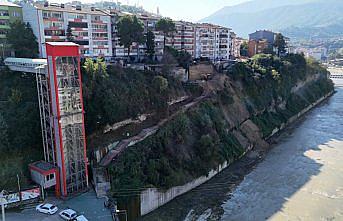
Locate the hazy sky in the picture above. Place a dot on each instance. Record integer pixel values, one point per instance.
(190, 10)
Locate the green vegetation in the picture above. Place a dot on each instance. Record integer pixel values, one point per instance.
(268, 82)
(22, 39)
(124, 93)
(167, 26)
(130, 30)
(280, 44)
(150, 45)
(20, 134)
(244, 49)
(189, 146)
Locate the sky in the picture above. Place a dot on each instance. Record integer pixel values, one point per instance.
(188, 10)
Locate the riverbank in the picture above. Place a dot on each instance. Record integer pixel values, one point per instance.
(202, 201)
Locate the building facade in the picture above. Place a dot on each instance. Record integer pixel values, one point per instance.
(184, 37)
(9, 13)
(90, 28)
(212, 42)
(257, 47)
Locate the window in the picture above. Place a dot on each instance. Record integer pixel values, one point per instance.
(76, 16)
(4, 13)
(50, 177)
(78, 25)
(82, 42)
(16, 14)
(99, 27)
(54, 32)
(99, 35)
(101, 43)
(3, 22)
(96, 18)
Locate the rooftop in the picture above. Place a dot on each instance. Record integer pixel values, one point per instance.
(10, 4)
(43, 165)
(70, 8)
(61, 43)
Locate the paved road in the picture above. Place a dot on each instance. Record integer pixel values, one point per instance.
(86, 204)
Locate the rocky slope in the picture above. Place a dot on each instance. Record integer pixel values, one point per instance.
(247, 104)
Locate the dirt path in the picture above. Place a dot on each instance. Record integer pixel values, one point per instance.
(124, 144)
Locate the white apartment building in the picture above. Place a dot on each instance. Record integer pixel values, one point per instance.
(91, 28)
(212, 42)
(183, 38)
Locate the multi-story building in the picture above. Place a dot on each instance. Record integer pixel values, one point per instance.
(183, 38)
(212, 42)
(257, 47)
(90, 28)
(9, 13)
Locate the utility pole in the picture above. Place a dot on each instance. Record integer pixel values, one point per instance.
(2, 202)
(19, 191)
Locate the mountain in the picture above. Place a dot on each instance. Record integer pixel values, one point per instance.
(296, 18)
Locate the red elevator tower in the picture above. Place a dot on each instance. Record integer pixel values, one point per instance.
(66, 142)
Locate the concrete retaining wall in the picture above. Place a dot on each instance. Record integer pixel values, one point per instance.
(153, 198)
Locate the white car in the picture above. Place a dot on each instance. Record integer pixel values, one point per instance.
(68, 214)
(81, 218)
(47, 208)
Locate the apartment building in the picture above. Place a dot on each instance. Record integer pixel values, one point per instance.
(137, 52)
(90, 28)
(212, 42)
(257, 47)
(9, 13)
(183, 38)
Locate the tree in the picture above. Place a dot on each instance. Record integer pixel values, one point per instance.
(150, 44)
(3, 134)
(160, 83)
(167, 26)
(130, 30)
(244, 49)
(280, 44)
(69, 34)
(24, 43)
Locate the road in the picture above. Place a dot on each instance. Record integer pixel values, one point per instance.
(86, 204)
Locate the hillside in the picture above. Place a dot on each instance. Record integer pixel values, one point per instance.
(296, 18)
(246, 105)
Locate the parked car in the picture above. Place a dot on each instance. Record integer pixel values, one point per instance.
(47, 208)
(80, 218)
(68, 214)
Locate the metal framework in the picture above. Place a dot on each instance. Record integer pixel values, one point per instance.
(59, 92)
(71, 120)
(66, 118)
(47, 129)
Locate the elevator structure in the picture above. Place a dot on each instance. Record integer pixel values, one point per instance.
(61, 110)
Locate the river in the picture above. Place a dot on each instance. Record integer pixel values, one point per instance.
(300, 178)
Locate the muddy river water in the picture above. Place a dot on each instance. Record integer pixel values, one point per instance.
(301, 178)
